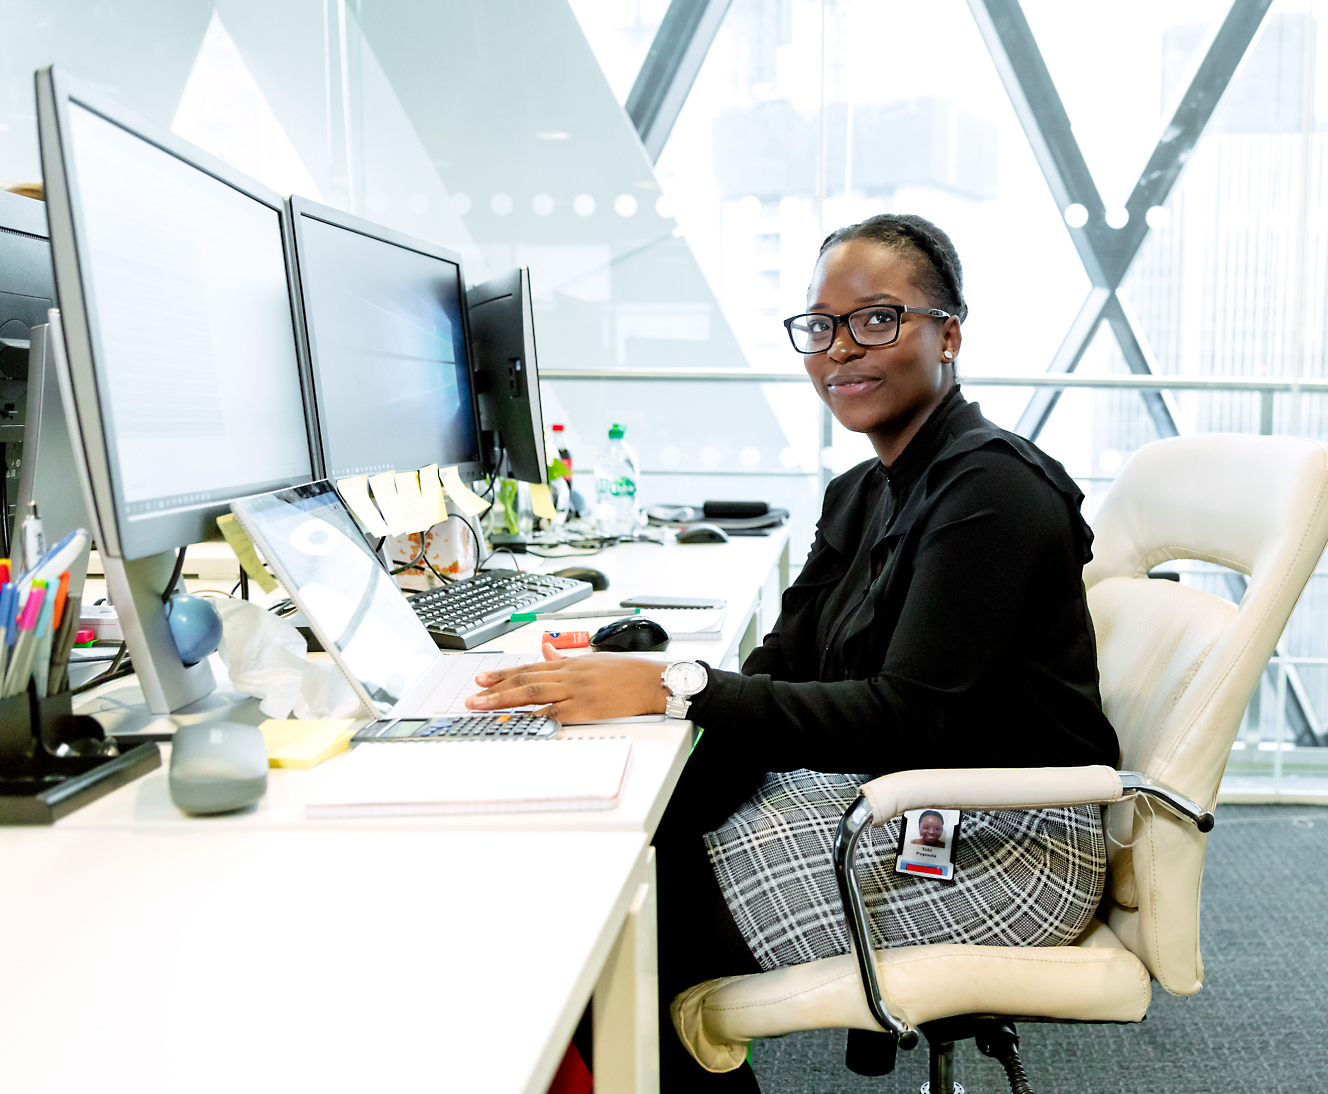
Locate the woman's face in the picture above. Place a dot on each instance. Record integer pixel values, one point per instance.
(885, 391)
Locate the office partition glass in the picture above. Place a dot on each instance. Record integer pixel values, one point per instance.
(492, 129)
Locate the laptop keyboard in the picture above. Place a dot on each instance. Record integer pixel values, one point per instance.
(463, 614)
(458, 683)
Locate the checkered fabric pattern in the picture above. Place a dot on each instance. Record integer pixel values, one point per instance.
(1022, 878)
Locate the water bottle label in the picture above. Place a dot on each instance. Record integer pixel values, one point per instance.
(621, 487)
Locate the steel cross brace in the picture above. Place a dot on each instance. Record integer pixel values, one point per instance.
(1106, 252)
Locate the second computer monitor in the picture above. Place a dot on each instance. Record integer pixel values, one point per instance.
(502, 327)
(387, 342)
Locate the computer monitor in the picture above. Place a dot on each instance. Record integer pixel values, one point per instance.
(48, 473)
(386, 330)
(183, 356)
(27, 290)
(502, 332)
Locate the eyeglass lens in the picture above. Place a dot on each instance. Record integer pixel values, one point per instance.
(869, 326)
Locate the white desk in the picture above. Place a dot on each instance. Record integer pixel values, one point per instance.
(265, 951)
(213, 960)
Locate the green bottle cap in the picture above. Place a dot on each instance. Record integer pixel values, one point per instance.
(615, 432)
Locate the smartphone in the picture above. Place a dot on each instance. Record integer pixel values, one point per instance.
(671, 602)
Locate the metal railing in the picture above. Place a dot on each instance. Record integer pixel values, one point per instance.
(1271, 384)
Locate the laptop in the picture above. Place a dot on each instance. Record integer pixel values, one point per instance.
(358, 613)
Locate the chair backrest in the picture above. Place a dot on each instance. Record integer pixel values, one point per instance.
(1178, 665)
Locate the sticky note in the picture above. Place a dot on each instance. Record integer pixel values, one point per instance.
(542, 501)
(431, 490)
(470, 502)
(411, 502)
(245, 554)
(384, 489)
(294, 742)
(355, 493)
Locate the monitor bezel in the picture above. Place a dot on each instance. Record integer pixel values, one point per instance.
(299, 208)
(144, 535)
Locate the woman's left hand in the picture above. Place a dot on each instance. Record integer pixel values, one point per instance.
(576, 689)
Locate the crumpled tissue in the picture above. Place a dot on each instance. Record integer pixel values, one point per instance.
(266, 658)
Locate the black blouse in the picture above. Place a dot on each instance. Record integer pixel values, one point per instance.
(940, 620)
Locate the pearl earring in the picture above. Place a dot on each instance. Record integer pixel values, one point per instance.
(948, 355)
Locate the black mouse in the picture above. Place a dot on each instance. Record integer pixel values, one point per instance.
(584, 573)
(703, 533)
(633, 635)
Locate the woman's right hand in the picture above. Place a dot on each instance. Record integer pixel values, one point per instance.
(587, 688)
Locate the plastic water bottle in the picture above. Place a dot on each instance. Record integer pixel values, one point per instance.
(616, 476)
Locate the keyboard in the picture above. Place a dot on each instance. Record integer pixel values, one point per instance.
(468, 727)
(462, 614)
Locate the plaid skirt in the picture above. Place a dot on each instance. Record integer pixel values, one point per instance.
(1022, 878)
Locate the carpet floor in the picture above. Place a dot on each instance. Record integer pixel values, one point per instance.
(1257, 1025)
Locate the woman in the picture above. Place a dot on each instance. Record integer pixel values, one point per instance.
(940, 621)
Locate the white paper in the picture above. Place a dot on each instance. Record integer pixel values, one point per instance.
(414, 777)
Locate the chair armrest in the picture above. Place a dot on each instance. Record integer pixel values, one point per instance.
(1020, 788)
(972, 788)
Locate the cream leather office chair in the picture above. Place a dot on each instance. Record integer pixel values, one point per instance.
(1178, 667)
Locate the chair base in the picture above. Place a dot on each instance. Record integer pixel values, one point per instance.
(995, 1037)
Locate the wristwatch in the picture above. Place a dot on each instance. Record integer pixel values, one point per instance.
(683, 679)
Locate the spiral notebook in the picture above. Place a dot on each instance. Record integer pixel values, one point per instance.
(443, 777)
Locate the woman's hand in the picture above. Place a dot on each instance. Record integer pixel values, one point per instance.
(577, 689)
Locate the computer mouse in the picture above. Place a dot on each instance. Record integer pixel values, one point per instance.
(217, 767)
(634, 635)
(597, 580)
(703, 533)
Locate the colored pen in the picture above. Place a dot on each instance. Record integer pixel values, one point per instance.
(41, 646)
(61, 595)
(7, 595)
(20, 665)
(11, 619)
(4, 570)
(64, 642)
(532, 617)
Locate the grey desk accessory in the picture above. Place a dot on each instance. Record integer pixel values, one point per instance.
(217, 767)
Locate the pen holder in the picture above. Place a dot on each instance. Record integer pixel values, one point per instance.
(39, 782)
(16, 737)
(32, 729)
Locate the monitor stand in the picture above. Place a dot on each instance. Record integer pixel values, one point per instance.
(135, 589)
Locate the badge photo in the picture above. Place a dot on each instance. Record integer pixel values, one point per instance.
(927, 843)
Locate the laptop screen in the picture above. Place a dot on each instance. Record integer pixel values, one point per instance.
(320, 555)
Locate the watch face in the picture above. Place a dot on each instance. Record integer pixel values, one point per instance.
(685, 678)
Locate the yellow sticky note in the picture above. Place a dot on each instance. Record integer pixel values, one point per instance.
(295, 742)
(411, 502)
(470, 502)
(245, 554)
(384, 489)
(542, 501)
(431, 490)
(355, 493)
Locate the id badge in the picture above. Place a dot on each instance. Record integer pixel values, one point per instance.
(927, 843)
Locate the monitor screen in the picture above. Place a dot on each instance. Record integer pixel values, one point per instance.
(387, 348)
(196, 351)
(313, 543)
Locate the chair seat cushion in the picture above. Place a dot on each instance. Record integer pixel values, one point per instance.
(1096, 979)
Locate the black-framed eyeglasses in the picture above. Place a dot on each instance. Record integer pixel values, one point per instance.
(874, 325)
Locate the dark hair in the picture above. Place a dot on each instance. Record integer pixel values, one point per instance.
(930, 813)
(942, 277)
